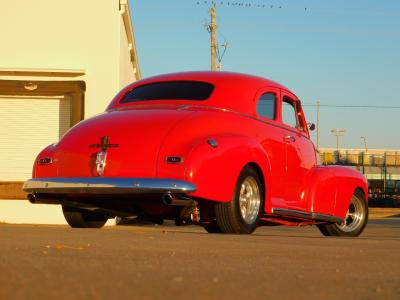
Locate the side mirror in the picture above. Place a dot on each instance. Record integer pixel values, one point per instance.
(311, 126)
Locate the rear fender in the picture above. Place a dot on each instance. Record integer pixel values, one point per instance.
(215, 170)
(329, 189)
(48, 170)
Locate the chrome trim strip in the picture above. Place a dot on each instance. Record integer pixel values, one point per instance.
(305, 215)
(104, 185)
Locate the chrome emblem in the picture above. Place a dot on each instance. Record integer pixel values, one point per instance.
(101, 157)
(101, 161)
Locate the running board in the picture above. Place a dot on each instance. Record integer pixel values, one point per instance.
(306, 215)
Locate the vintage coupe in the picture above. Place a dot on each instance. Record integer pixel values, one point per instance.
(223, 150)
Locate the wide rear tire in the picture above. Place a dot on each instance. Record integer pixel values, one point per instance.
(79, 218)
(242, 214)
(355, 221)
(212, 228)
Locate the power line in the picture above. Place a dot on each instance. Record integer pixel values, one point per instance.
(241, 4)
(353, 106)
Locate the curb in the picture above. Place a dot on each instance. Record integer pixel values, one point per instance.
(380, 212)
(23, 212)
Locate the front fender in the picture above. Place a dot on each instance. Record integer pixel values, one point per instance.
(329, 189)
(215, 170)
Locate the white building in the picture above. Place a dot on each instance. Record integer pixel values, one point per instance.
(60, 61)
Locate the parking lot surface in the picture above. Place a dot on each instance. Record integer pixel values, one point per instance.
(168, 262)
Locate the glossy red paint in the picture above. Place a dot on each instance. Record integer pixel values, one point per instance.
(147, 132)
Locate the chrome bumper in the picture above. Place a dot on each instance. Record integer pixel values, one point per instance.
(107, 186)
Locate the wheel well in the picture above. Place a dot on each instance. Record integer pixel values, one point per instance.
(259, 173)
(360, 191)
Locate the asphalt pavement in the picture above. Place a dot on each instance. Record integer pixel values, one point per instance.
(168, 262)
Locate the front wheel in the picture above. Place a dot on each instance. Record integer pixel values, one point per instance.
(80, 218)
(354, 222)
(242, 213)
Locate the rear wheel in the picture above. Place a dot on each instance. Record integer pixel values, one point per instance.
(212, 228)
(241, 215)
(354, 222)
(80, 218)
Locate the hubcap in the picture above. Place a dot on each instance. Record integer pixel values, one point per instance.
(354, 217)
(249, 200)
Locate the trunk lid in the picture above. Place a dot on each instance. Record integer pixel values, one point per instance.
(135, 136)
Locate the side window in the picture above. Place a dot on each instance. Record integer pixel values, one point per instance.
(266, 106)
(289, 112)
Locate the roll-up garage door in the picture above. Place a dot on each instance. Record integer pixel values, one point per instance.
(27, 125)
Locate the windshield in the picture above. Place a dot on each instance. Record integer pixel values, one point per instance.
(170, 90)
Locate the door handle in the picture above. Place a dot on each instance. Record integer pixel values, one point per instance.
(289, 139)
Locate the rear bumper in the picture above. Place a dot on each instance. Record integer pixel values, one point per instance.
(107, 186)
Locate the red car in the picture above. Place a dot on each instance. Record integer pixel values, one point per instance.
(223, 150)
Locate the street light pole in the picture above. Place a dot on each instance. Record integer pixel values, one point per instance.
(364, 154)
(338, 133)
(365, 143)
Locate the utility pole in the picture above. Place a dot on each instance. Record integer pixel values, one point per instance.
(318, 120)
(213, 31)
(216, 53)
(338, 133)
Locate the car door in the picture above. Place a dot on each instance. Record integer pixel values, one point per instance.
(299, 152)
(270, 133)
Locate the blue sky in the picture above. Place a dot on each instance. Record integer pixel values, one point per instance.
(337, 52)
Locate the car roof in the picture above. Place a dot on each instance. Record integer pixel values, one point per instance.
(233, 91)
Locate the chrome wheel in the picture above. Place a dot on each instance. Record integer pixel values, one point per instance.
(354, 217)
(249, 200)
(241, 215)
(355, 221)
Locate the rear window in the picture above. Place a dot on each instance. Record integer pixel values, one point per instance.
(170, 90)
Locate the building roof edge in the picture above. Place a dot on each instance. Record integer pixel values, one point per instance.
(127, 19)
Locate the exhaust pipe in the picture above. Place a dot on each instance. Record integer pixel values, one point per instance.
(40, 199)
(32, 198)
(189, 213)
(168, 199)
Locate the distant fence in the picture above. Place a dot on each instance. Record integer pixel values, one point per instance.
(381, 170)
(389, 159)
